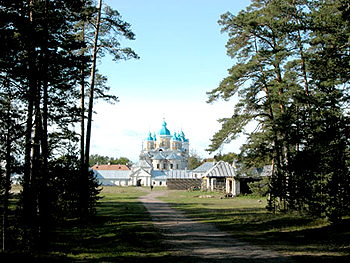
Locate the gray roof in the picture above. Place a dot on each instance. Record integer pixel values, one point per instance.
(164, 152)
(112, 174)
(221, 169)
(173, 156)
(159, 175)
(264, 171)
(178, 174)
(159, 156)
(144, 164)
(170, 174)
(204, 167)
(254, 172)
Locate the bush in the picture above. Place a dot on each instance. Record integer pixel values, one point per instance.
(72, 193)
(259, 188)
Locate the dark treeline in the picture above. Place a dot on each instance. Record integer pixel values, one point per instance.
(100, 159)
(291, 75)
(47, 69)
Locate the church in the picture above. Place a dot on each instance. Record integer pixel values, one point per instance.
(165, 151)
(163, 156)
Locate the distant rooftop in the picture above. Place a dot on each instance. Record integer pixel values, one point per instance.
(112, 174)
(204, 167)
(114, 167)
(221, 169)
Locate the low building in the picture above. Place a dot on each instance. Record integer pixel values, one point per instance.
(140, 177)
(200, 171)
(222, 177)
(110, 177)
(225, 178)
(112, 174)
(161, 178)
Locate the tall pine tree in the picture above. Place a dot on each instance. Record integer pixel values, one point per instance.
(291, 77)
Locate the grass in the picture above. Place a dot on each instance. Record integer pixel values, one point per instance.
(301, 237)
(122, 230)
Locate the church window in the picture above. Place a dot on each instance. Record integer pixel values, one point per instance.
(157, 165)
(171, 166)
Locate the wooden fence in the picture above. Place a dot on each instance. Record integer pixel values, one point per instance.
(184, 184)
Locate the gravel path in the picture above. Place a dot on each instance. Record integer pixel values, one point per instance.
(193, 241)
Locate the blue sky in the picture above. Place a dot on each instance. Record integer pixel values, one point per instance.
(182, 56)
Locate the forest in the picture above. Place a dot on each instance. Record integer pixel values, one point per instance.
(290, 75)
(48, 83)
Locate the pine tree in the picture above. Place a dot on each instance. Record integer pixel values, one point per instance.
(291, 76)
(107, 28)
(45, 68)
(329, 124)
(104, 26)
(260, 45)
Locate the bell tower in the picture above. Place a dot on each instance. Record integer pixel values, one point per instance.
(150, 142)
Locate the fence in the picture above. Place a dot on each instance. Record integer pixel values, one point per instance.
(183, 184)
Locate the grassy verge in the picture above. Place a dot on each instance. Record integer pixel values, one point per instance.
(303, 238)
(122, 231)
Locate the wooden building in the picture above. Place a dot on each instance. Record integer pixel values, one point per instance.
(222, 177)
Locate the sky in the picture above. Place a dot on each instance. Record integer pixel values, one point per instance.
(182, 56)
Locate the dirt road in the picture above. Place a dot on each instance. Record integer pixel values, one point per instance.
(193, 241)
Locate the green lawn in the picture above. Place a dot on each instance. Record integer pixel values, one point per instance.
(303, 238)
(123, 232)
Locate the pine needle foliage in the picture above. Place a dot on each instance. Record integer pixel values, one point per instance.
(291, 75)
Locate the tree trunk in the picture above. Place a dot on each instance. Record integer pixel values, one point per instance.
(7, 178)
(82, 103)
(85, 180)
(43, 201)
(30, 224)
(92, 83)
(7, 189)
(277, 154)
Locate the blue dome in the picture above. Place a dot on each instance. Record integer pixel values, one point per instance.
(174, 137)
(150, 138)
(164, 130)
(182, 136)
(178, 137)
